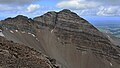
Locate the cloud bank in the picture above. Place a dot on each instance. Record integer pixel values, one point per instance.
(109, 11)
(92, 7)
(82, 7)
(78, 4)
(17, 2)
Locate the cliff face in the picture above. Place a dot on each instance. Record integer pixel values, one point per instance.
(72, 41)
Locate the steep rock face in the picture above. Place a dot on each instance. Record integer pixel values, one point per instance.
(75, 36)
(66, 37)
(14, 55)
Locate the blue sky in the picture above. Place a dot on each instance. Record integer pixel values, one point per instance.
(98, 9)
(95, 20)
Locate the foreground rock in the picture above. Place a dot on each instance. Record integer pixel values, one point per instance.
(72, 41)
(14, 55)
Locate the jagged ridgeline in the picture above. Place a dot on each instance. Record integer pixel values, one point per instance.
(64, 36)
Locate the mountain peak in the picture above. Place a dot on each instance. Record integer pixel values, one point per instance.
(68, 14)
(21, 17)
(67, 17)
(64, 35)
(65, 10)
(18, 17)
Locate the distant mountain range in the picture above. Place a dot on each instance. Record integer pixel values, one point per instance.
(112, 28)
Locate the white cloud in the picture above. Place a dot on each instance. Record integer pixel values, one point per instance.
(92, 7)
(17, 2)
(9, 8)
(108, 11)
(86, 12)
(33, 7)
(78, 4)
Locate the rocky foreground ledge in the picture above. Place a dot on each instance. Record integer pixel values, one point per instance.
(70, 40)
(14, 55)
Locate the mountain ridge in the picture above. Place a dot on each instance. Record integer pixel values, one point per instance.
(66, 37)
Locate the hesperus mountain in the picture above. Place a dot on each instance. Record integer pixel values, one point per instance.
(71, 41)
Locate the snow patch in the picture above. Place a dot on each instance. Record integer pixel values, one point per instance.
(37, 39)
(11, 31)
(16, 30)
(51, 31)
(1, 34)
(29, 33)
(33, 35)
(23, 32)
(111, 64)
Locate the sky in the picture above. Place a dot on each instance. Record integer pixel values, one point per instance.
(97, 9)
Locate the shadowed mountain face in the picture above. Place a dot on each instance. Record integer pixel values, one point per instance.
(66, 37)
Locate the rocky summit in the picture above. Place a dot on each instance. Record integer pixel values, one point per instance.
(69, 40)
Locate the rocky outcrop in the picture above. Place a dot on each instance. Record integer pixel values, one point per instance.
(14, 55)
(72, 41)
